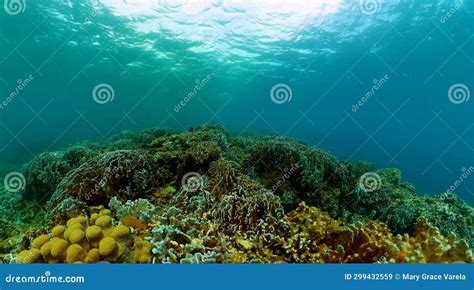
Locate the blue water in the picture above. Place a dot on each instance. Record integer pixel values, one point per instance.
(366, 81)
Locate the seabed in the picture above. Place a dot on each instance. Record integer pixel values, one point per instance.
(209, 196)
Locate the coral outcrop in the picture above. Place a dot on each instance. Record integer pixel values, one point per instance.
(87, 240)
(208, 196)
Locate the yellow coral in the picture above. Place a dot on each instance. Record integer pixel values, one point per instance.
(76, 236)
(93, 233)
(58, 231)
(78, 243)
(94, 217)
(107, 246)
(39, 241)
(76, 226)
(93, 256)
(29, 256)
(120, 232)
(77, 220)
(46, 248)
(142, 251)
(59, 247)
(75, 253)
(104, 221)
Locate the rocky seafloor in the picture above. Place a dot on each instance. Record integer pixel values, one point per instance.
(208, 196)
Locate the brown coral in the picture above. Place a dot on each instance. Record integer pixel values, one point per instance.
(315, 237)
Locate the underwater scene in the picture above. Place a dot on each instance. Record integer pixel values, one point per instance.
(233, 131)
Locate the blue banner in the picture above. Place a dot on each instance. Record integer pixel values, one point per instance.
(294, 277)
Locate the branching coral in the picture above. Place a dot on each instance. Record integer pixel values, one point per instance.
(224, 176)
(140, 208)
(315, 237)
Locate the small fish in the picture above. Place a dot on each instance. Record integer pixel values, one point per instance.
(134, 222)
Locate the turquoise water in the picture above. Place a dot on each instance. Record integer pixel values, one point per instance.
(383, 81)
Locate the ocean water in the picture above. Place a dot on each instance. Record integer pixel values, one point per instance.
(384, 81)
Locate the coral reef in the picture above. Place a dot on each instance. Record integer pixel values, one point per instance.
(208, 196)
(140, 208)
(44, 172)
(87, 240)
(125, 174)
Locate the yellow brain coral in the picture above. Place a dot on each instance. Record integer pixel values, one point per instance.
(107, 246)
(87, 240)
(39, 241)
(76, 236)
(120, 232)
(59, 247)
(104, 221)
(75, 254)
(58, 231)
